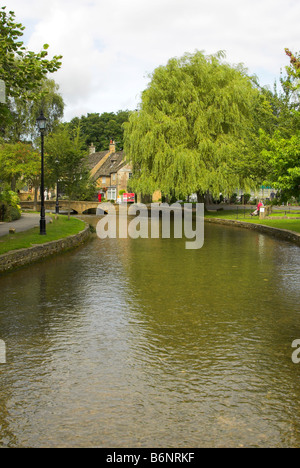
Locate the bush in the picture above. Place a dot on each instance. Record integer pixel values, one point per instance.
(10, 208)
(253, 202)
(275, 202)
(247, 197)
(13, 213)
(233, 198)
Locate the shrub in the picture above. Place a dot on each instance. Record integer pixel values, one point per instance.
(233, 198)
(13, 213)
(247, 197)
(11, 210)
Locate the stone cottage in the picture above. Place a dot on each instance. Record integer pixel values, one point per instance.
(110, 170)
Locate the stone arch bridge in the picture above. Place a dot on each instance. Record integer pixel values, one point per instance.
(79, 207)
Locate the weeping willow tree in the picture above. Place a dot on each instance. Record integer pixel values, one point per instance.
(194, 130)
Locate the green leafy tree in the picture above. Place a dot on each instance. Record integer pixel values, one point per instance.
(194, 127)
(281, 149)
(99, 129)
(293, 70)
(32, 173)
(15, 161)
(22, 70)
(20, 164)
(282, 158)
(24, 112)
(10, 209)
(65, 161)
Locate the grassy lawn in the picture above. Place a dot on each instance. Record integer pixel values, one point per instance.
(61, 228)
(289, 214)
(289, 224)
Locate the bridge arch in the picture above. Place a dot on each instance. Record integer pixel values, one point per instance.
(78, 207)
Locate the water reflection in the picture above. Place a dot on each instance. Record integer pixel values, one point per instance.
(143, 343)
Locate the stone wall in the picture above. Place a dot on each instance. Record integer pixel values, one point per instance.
(19, 258)
(282, 234)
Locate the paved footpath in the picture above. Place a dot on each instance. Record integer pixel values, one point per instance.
(26, 222)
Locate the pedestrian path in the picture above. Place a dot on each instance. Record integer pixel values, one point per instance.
(26, 222)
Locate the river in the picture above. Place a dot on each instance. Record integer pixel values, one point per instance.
(142, 343)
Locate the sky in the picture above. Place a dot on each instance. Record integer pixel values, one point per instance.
(110, 47)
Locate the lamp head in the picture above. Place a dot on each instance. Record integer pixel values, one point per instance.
(41, 122)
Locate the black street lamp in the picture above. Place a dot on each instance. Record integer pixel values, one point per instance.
(41, 123)
(57, 181)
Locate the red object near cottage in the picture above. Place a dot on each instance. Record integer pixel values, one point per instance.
(129, 197)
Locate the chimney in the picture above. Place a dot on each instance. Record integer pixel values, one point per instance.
(112, 146)
(92, 149)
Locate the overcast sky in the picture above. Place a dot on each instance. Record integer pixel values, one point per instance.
(110, 46)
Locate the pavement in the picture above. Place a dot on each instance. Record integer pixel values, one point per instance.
(26, 222)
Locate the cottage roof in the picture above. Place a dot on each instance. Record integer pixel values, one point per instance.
(95, 158)
(114, 163)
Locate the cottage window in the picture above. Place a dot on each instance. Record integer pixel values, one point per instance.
(112, 194)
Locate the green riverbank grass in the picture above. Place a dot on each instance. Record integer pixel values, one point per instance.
(61, 228)
(289, 223)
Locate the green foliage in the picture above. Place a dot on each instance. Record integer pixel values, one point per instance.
(21, 70)
(25, 111)
(99, 129)
(247, 197)
(293, 70)
(10, 197)
(194, 127)
(13, 213)
(19, 160)
(282, 156)
(10, 206)
(65, 161)
(280, 149)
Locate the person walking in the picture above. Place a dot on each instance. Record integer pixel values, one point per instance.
(259, 205)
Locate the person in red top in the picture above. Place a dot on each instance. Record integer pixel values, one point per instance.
(260, 204)
(256, 212)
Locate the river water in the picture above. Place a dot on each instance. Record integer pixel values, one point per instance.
(141, 343)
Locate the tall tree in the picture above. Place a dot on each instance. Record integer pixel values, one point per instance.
(99, 129)
(281, 150)
(24, 112)
(194, 126)
(282, 156)
(20, 69)
(65, 161)
(18, 161)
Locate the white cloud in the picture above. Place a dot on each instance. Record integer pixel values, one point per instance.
(109, 47)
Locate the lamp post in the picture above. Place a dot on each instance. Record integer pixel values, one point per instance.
(57, 201)
(41, 123)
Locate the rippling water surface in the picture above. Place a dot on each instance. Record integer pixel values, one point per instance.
(141, 343)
